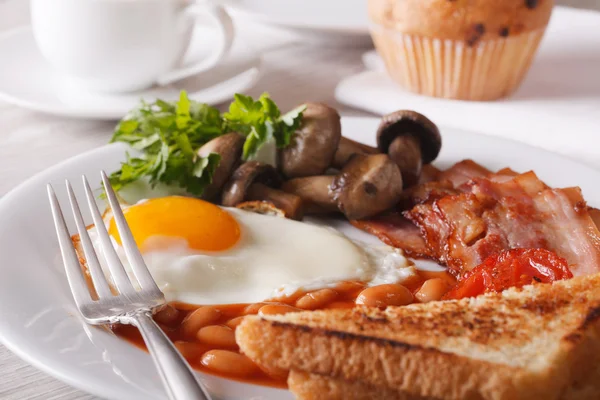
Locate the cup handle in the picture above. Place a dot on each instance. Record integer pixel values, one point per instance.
(220, 18)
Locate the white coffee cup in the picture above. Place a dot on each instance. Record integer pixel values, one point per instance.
(125, 45)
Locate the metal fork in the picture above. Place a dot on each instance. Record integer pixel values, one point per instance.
(130, 306)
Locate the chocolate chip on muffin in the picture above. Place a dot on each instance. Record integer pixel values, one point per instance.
(531, 4)
(504, 32)
(475, 33)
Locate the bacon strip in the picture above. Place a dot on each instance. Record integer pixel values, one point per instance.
(462, 172)
(395, 230)
(595, 214)
(522, 212)
(471, 213)
(442, 183)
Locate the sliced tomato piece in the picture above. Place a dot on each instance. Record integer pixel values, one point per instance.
(511, 268)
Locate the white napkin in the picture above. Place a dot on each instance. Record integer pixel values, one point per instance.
(557, 107)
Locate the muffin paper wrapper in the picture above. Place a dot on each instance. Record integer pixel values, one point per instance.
(436, 67)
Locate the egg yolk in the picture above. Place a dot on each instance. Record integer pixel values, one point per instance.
(205, 226)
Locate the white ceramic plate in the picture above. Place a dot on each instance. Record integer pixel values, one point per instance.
(28, 80)
(334, 21)
(37, 318)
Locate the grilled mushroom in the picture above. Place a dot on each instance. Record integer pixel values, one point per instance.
(254, 180)
(366, 186)
(347, 148)
(411, 140)
(314, 144)
(229, 147)
(314, 192)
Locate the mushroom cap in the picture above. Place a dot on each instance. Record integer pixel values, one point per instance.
(407, 122)
(244, 176)
(229, 147)
(367, 185)
(314, 144)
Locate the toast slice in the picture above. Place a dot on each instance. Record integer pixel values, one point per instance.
(307, 386)
(538, 342)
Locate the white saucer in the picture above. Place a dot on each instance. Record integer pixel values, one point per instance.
(333, 22)
(28, 80)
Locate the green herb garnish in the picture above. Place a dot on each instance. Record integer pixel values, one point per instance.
(169, 134)
(261, 121)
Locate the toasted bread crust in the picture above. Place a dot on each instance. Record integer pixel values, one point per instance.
(306, 386)
(585, 387)
(468, 20)
(538, 342)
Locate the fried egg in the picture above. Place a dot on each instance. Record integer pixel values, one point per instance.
(200, 253)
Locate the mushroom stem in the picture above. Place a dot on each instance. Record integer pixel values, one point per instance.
(288, 202)
(314, 192)
(411, 140)
(406, 153)
(347, 148)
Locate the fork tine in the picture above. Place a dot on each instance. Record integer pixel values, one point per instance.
(100, 283)
(75, 277)
(119, 275)
(136, 261)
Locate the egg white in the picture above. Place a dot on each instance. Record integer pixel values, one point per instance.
(274, 257)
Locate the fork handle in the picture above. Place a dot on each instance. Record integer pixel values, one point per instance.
(176, 374)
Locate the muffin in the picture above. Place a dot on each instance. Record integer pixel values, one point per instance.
(459, 49)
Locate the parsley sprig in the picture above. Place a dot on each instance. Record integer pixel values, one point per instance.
(168, 135)
(261, 121)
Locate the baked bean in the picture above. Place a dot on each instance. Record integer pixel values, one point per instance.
(449, 279)
(169, 331)
(432, 290)
(339, 305)
(317, 299)
(229, 363)
(200, 318)
(167, 315)
(189, 351)
(234, 322)
(253, 308)
(413, 281)
(217, 335)
(348, 286)
(385, 295)
(272, 309)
